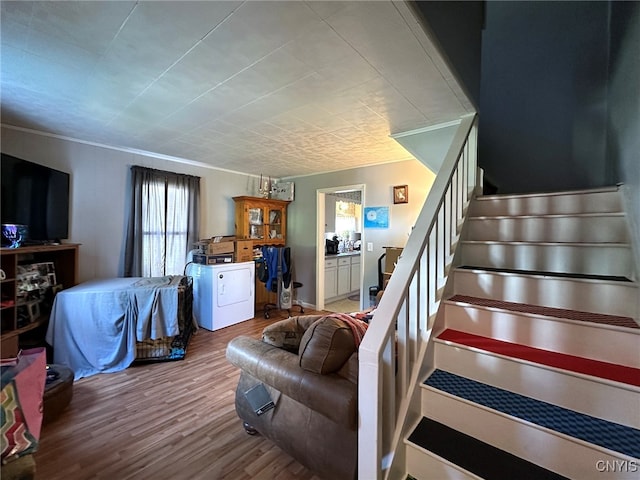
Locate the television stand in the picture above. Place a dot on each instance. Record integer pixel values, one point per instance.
(65, 260)
(34, 243)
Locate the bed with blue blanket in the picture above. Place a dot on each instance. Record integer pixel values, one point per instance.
(105, 325)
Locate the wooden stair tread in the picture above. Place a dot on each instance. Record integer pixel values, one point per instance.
(576, 276)
(613, 320)
(570, 363)
(475, 456)
(585, 428)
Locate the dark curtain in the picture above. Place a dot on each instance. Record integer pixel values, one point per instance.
(158, 201)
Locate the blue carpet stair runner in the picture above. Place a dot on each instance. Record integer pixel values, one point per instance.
(613, 436)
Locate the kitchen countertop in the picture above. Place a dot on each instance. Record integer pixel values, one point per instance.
(343, 254)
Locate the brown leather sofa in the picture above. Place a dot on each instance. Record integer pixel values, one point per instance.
(309, 366)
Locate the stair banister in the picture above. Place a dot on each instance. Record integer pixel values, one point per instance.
(391, 353)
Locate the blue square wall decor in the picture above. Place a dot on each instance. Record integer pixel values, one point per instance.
(376, 217)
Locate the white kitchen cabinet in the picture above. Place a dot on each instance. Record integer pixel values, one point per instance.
(330, 213)
(330, 278)
(344, 275)
(341, 276)
(355, 273)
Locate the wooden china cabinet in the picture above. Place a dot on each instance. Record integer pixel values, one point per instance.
(264, 221)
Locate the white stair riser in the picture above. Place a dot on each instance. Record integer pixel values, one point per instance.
(563, 204)
(612, 298)
(426, 466)
(583, 339)
(589, 396)
(586, 229)
(545, 448)
(590, 259)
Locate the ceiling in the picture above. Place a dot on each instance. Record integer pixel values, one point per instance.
(285, 88)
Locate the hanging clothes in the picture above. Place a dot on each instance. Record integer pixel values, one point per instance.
(275, 271)
(286, 260)
(275, 263)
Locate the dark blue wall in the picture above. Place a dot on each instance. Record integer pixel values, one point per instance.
(623, 136)
(458, 28)
(623, 132)
(543, 96)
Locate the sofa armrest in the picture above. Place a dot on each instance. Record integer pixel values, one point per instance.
(332, 395)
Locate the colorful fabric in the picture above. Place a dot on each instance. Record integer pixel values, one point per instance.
(21, 400)
(15, 438)
(358, 327)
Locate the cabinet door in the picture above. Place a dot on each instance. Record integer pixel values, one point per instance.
(355, 274)
(329, 213)
(344, 276)
(275, 226)
(330, 282)
(255, 218)
(262, 220)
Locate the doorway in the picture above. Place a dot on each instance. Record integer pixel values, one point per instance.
(331, 278)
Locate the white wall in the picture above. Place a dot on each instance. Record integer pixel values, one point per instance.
(99, 180)
(379, 181)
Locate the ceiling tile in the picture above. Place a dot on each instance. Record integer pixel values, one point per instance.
(288, 88)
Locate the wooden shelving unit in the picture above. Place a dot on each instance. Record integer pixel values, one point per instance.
(65, 260)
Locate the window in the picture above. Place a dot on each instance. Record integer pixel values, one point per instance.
(163, 223)
(347, 218)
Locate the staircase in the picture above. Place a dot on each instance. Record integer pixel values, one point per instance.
(536, 350)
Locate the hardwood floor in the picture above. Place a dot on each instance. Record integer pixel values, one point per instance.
(345, 306)
(171, 420)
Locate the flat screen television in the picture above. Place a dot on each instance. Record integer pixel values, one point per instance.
(35, 196)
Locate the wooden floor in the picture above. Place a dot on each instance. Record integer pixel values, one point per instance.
(164, 421)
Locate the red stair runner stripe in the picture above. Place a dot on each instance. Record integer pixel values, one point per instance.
(572, 363)
(601, 318)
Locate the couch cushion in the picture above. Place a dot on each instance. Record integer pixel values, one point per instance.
(350, 368)
(288, 333)
(326, 346)
(332, 395)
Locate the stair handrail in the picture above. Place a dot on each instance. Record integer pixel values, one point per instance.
(401, 326)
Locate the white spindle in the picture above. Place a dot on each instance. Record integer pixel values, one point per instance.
(390, 354)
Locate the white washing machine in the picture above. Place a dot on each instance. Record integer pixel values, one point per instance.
(223, 294)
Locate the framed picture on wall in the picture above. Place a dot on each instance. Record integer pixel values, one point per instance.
(376, 217)
(401, 194)
(283, 191)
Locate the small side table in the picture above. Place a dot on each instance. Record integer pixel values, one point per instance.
(58, 391)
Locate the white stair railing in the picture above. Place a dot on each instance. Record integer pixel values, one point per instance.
(391, 351)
